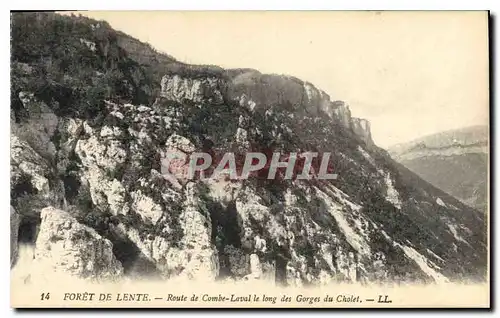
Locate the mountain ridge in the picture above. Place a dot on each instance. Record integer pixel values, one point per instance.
(463, 137)
(455, 161)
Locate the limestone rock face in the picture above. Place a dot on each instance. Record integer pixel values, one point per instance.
(146, 207)
(15, 220)
(342, 113)
(279, 90)
(317, 99)
(175, 159)
(40, 125)
(66, 246)
(254, 90)
(191, 254)
(95, 152)
(196, 225)
(255, 267)
(196, 90)
(361, 127)
(26, 161)
(33, 181)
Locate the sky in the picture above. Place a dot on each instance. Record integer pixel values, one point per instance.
(409, 73)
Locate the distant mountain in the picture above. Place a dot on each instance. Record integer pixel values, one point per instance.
(455, 161)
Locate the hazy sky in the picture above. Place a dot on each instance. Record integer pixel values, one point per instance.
(409, 74)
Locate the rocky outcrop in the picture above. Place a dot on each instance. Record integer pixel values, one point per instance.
(15, 220)
(39, 126)
(27, 162)
(254, 90)
(195, 90)
(191, 254)
(361, 127)
(65, 246)
(33, 181)
(196, 224)
(174, 160)
(342, 113)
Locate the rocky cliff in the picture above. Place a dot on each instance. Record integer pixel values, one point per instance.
(377, 222)
(65, 245)
(256, 91)
(14, 232)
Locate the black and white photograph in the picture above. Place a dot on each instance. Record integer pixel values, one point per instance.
(249, 159)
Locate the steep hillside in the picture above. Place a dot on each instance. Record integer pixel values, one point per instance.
(455, 161)
(92, 121)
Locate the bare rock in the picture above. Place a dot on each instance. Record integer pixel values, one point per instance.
(361, 127)
(105, 192)
(15, 220)
(195, 90)
(39, 127)
(180, 143)
(342, 113)
(255, 266)
(105, 155)
(196, 224)
(25, 160)
(66, 246)
(146, 207)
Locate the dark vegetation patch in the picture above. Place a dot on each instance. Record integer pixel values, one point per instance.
(65, 73)
(22, 186)
(399, 267)
(28, 230)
